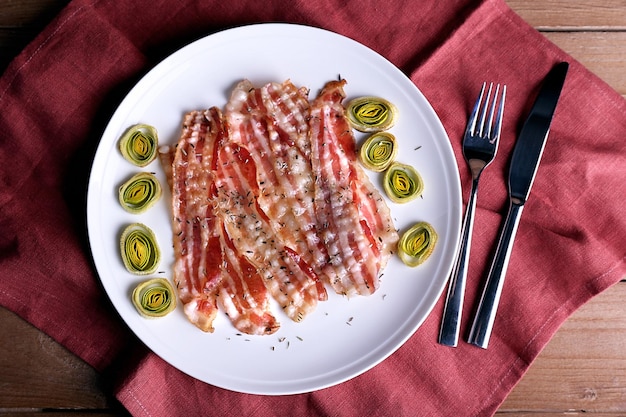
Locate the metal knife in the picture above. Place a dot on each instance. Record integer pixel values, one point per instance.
(524, 163)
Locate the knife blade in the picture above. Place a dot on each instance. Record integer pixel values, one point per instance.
(523, 169)
(532, 138)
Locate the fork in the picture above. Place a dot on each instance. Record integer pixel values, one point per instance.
(480, 144)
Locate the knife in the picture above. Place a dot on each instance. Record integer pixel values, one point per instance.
(524, 164)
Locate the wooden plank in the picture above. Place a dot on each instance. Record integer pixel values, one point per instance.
(572, 15)
(581, 371)
(29, 12)
(38, 373)
(603, 53)
(592, 31)
(549, 14)
(21, 21)
(58, 413)
(551, 414)
(583, 367)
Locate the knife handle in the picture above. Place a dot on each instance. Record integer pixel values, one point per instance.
(486, 313)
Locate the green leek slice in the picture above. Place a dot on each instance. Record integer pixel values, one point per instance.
(402, 183)
(154, 298)
(371, 114)
(417, 244)
(140, 192)
(378, 151)
(139, 144)
(139, 249)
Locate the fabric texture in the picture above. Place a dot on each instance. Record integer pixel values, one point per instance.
(57, 95)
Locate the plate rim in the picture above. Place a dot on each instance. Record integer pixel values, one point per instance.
(277, 27)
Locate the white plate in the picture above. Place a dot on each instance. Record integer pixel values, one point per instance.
(342, 338)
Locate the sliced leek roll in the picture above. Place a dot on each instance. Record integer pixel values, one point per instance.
(139, 144)
(371, 114)
(154, 298)
(402, 183)
(378, 151)
(140, 192)
(140, 253)
(417, 243)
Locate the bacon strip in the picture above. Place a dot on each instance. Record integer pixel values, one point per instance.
(268, 199)
(353, 220)
(207, 268)
(196, 236)
(252, 234)
(271, 123)
(243, 295)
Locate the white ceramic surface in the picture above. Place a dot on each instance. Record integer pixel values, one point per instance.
(343, 338)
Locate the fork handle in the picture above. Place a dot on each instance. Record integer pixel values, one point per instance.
(486, 313)
(451, 321)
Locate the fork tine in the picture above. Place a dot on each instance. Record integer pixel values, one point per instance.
(497, 128)
(492, 110)
(483, 113)
(471, 125)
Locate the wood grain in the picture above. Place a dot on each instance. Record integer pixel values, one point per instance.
(603, 53)
(21, 21)
(582, 371)
(25, 13)
(39, 374)
(576, 15)
(583, 368)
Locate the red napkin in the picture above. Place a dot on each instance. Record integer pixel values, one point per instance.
(57, 96)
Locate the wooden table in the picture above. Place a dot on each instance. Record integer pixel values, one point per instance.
(582, 370)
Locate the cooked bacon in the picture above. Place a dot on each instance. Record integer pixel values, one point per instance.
(242, 293)
(271, 123)
(353, 220)
(250, 230)
(268, 199)
(196, 235)
(376, 218)
(206, 267)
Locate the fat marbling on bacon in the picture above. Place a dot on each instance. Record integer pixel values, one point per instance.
(268, 200)
(353, 220)
(207, 268)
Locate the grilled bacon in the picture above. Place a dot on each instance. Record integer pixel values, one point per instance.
(353, 220)
(268, 200)
(206, 267)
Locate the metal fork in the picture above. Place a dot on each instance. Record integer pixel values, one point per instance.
(480, 145)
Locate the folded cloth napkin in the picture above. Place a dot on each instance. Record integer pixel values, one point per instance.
(56, 98)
